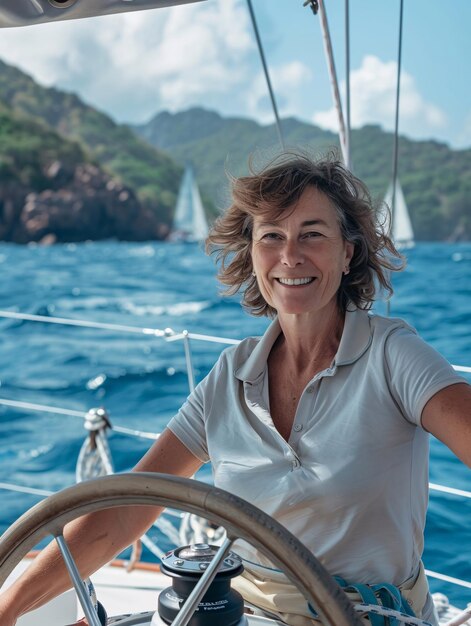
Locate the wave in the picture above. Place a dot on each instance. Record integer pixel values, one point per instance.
(178, 309)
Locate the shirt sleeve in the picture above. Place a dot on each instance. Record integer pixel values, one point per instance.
(416, 372)
(189, 424)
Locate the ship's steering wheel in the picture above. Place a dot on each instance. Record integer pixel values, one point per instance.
(240, 519)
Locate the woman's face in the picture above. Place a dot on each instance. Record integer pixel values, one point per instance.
(299, 260)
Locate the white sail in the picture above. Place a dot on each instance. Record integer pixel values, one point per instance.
(189, 222)
(401, 231)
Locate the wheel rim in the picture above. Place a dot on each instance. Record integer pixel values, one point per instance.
(240, 518)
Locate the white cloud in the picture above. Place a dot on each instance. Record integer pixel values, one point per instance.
(131, 65)
(289, 80)
(373, 101)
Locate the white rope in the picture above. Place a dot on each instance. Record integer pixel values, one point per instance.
(168, 529)
(403, 618)
(196, 529)
(95, 460)
(460, 619)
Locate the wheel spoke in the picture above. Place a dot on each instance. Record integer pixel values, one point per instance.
(191, 603)
(74, 574)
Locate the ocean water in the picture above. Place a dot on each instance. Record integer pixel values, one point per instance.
(141, 379)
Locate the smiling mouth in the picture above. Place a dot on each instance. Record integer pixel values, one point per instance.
(295, 281)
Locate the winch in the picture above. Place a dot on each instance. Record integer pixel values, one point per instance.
(220, 605)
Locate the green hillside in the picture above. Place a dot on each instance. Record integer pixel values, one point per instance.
(28, 147)
(152, 174)
(435, 179)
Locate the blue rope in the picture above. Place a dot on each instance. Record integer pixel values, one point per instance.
(383, 594)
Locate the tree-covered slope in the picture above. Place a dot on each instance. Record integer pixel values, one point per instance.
(51, 191)
(28, 147)
(152, 174)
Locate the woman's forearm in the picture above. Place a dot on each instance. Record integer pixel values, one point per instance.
(96, 538)
(93, 540)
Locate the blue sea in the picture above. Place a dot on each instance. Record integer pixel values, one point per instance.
(141, 379)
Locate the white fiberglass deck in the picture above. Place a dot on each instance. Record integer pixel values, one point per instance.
(123, 593)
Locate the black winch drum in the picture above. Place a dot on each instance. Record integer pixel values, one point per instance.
(220, 606)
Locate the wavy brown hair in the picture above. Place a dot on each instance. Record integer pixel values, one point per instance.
(276, 188)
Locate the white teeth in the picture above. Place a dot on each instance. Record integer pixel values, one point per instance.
(295, 281)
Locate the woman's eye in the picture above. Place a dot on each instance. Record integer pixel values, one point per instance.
(312, 234)
(271, 236)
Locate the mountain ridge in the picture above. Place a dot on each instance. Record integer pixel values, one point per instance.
(51, 138)
(434, 177)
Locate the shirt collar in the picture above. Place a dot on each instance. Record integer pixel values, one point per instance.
(254, 366)
(355, 341)
(356, 337)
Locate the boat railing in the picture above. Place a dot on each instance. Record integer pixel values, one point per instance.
(167, 335)
(451, 491)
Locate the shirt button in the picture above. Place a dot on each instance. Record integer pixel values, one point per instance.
(298, 428)
(310, 390)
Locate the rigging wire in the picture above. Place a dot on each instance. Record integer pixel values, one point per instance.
(396, 120)
(267, 75)
(348, 161)
(318, 6)
(33, 406)
(396, 134)
(168, 334)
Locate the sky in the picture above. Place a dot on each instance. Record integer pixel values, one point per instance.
(133, 66)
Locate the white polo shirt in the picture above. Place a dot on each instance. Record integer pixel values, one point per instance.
(352, 481)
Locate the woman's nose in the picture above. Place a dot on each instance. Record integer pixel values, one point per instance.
(292, 254)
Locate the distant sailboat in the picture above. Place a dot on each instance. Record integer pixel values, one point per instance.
(401, 231)
(189, 222)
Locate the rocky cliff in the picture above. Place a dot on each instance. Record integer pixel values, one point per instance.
(79, 204)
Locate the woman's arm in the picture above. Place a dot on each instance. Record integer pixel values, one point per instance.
(447, 415)
(95, 539)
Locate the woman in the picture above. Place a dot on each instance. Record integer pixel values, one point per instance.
(323, 422)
